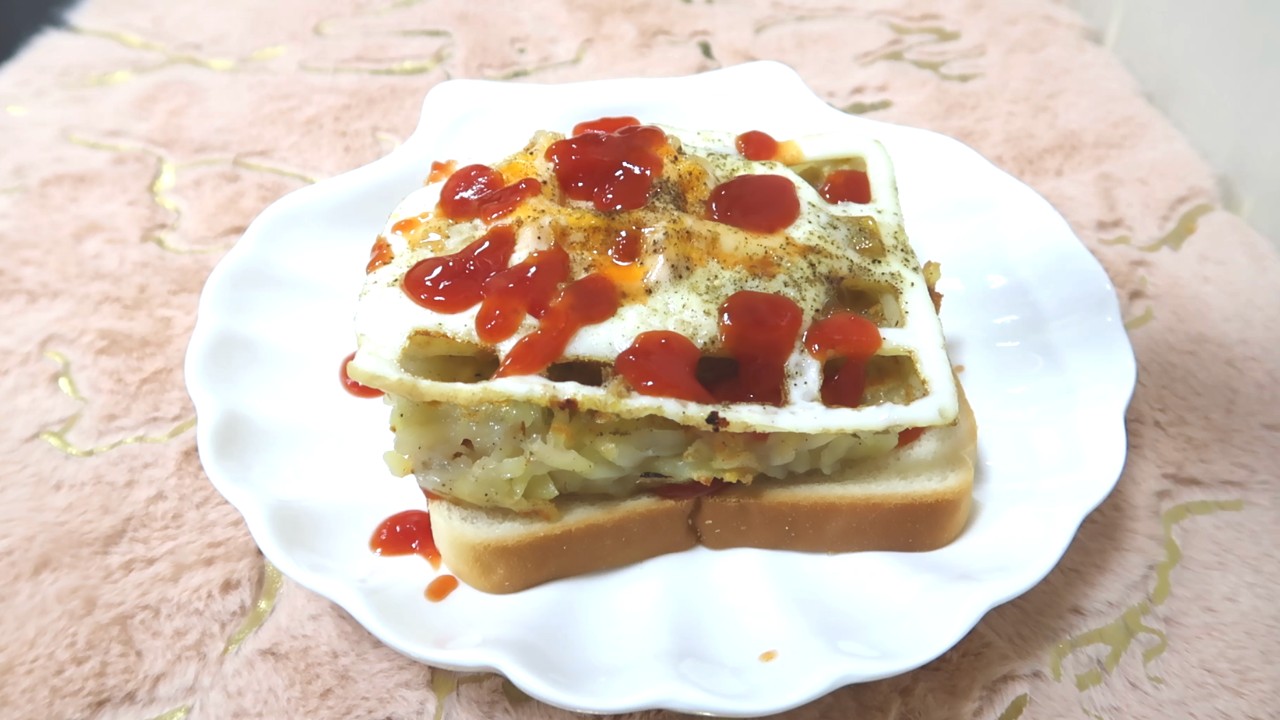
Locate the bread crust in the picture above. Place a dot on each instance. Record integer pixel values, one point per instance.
(916, 498)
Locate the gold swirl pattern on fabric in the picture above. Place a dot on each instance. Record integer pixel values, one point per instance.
(514, 695)
(446, 682)
(1015, 708)
(862, 108)
(170, 57)
(1183, 229)
(177, 713)
(522, 72)
(58, 438)
(165, 180)
(255, 166)
(443, 684)
(704, 47)
(388, 141)
(343, 26)
(1118, 635)
(66, 383)
(272, 582)
(1140, 321)
(333, 26)
(416, 66)
(917, 52)
(351, 26)
(926, 47)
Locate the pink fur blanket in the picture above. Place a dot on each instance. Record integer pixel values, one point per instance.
(140, 141)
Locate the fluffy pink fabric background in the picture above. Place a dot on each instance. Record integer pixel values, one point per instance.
(150, 134)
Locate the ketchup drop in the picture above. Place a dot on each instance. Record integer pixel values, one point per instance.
(755, 145)
(849, 336)
(759, 330)
(406, 533)
(846, 186)
(844, 387)
(406, 225)
(477, 191)
(613, 169)
(460, 196)
(441, 588)
(453, 283)
(662, 363)
(502, 202)
(755, 203)
(604, 125)
(587, 301)
(843, 335)
(379, 255)
(352, 386)
(441, 170)
(520, 289)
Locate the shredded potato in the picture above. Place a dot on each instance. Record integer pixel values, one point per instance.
(521, 455)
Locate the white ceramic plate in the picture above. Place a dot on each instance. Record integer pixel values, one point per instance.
(1029, 314)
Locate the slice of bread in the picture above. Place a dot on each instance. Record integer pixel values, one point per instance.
(500, 551)
(915, 498)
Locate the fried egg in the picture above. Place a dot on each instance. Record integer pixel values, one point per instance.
(679, 268)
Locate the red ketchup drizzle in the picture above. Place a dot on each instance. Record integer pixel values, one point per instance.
(759, 330)
(501, 202)
(755, 203)
(406, 225)
(615, 169)
(755, 145)
(908, 436)
(453, 283)
(380, 254)
(352, 386)
(846, 186)
(587, 301)
(406, 533)
(852, 337)
(688, 490)
(441, 588)
(441, 170)
(604, 125)
(477, 191)
(662, 363)
(524, 288)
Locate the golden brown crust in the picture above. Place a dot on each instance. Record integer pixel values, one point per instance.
(902, 502)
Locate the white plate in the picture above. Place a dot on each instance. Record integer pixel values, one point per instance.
(1028, 312)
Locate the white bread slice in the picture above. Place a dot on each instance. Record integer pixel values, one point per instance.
(916, 498)
(500, 551)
